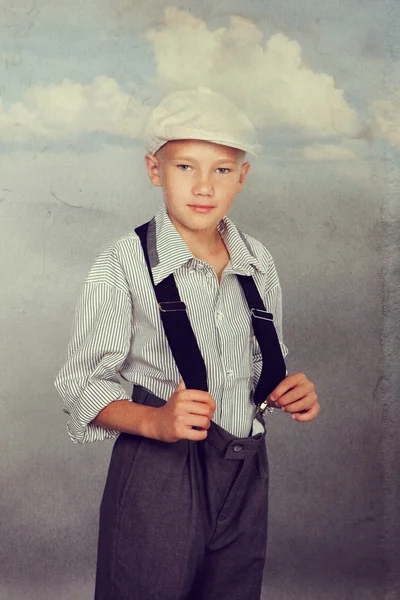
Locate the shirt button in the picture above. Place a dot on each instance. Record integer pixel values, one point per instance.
(220, 316)
(237, 448)
(229, 372)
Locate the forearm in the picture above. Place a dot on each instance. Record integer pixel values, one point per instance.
(128, 417)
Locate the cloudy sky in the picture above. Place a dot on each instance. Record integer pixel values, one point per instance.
(77, 80)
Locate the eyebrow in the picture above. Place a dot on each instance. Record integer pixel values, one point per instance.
(191, 159)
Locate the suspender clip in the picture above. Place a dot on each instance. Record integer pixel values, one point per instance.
(261, 314)
(261, 408)
(172, 306)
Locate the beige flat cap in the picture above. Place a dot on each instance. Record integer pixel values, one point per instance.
(200, 114)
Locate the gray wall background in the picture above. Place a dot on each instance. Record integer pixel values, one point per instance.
(331, 226)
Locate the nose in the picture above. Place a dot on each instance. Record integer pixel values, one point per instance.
(203, 186)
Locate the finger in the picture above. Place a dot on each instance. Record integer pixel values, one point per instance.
(196, 435)
(198, 421)
(199, 408)
(287, 384)
(295, 394)
(200, 396)
(305, 403)
(307, 416)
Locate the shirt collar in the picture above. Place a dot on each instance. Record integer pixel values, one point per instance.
(173, 252)
(242, 259)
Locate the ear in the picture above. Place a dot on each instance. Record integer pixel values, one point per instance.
(244, 169)
(153, 169)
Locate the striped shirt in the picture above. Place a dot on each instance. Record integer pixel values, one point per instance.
(118, 331)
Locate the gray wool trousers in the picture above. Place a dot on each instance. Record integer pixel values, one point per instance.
(184, 520)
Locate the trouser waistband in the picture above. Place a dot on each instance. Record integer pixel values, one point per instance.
(219, 438)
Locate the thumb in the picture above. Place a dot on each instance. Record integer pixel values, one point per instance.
(181, 386)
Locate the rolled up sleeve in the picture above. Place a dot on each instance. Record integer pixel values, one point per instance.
(98, 347)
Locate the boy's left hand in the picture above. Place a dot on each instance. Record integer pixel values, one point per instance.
(296, 395)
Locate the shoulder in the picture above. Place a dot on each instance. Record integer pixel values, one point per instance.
(123, 251)
(127, 248)
(114, 264)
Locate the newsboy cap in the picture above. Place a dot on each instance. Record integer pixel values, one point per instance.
(200, 114)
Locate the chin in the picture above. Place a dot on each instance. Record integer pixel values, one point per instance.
(195, 221)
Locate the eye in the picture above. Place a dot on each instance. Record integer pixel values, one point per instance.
(183, 167)
(223, 170)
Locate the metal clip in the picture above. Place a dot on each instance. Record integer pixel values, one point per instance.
(261, 408)
(172, 306)
(258, 314)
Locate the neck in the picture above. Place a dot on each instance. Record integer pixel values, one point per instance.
(201, 243)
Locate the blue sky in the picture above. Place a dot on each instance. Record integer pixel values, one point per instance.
(347, 39)
(321, 80)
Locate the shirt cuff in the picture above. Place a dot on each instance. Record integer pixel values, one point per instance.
(93, 399)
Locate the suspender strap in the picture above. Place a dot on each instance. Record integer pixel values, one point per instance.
(177, 327)
(273, 368)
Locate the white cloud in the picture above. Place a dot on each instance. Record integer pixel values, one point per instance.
(67, 109)
(386, 114)
(330, 152)
(269, 80)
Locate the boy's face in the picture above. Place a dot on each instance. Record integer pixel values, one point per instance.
(199, 181)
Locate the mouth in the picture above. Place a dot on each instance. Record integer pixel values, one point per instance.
(201, 208)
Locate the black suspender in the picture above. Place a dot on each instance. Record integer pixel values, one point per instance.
(183, 343)
(273, 368)
(178, 329)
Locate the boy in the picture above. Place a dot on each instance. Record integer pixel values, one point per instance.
(184, 308)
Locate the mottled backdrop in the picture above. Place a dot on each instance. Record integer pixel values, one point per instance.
(321, 81)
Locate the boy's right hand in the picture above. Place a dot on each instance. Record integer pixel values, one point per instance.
(184, 410)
